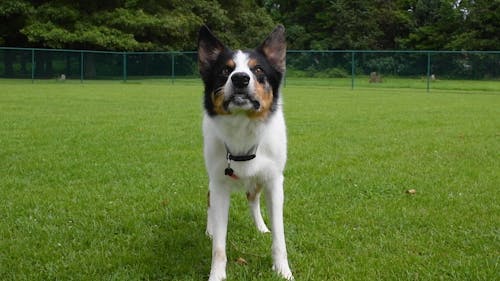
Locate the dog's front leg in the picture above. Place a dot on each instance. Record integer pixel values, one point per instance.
(218, 216)
(275, 200)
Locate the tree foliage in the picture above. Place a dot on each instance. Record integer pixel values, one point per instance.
(137, 25)
(128, 24)
(390, 24)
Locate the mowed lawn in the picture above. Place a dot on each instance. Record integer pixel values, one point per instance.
(106, 181)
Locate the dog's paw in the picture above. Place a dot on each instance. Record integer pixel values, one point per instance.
(283, 270)
(218, 269)
(263, 228)
(217, 275)
(217, 278)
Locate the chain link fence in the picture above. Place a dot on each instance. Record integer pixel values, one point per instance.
(343, 68)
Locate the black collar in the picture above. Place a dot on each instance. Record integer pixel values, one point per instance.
(238, 158)
(251, 154)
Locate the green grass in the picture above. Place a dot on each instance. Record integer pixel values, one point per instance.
(398, 83)
(105, 181)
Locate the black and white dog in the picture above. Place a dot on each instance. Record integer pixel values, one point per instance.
(244, 138)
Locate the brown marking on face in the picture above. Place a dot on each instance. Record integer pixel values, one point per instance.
(230, 63)
(252, 63)
(218, 95)
(252, 195)
(264, 94)
(218, 102)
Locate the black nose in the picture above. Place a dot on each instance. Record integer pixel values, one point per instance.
(240, 80)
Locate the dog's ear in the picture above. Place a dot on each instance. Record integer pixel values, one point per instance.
(209, 48)
(274, 48)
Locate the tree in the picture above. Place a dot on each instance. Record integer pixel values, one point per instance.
(142, 25)
(131, 25)
(434, 23)
(109, 25)
(481, 26)
(15, 13)
(341, 24)
(250, 23)
(395, 22)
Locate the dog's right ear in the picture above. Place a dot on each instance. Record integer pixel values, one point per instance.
(209, 49)
(274, 48)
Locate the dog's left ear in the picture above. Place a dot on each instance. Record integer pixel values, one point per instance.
(209, 49)
(274, 48)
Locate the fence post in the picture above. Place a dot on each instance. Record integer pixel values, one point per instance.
(172, 66)
(428, 71)
(32, 66)
(124, 66)
(353, 70)
(81, 66)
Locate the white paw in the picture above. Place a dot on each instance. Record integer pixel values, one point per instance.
(263, 228)
(283, 270)
(218, 270)
(217, 275)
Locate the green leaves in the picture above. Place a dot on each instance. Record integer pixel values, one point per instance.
(136, 25)
(132, 25)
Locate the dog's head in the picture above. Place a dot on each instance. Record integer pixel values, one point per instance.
(239, 81)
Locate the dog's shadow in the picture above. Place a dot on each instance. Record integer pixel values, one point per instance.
(179, 248)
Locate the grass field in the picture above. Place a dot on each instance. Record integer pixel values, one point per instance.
(105, 181)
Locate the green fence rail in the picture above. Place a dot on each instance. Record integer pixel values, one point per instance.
(350, 68)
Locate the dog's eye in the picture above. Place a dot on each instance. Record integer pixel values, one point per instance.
(226, 71)
(258, 70)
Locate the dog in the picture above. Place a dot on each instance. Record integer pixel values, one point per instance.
(244, 137)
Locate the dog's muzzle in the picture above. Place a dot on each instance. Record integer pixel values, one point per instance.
(241, 97)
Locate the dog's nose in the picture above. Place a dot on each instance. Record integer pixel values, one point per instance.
(240, 80)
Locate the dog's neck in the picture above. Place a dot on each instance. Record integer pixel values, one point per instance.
(240, 135)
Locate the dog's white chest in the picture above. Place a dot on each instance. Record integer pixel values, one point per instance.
(241, 136)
